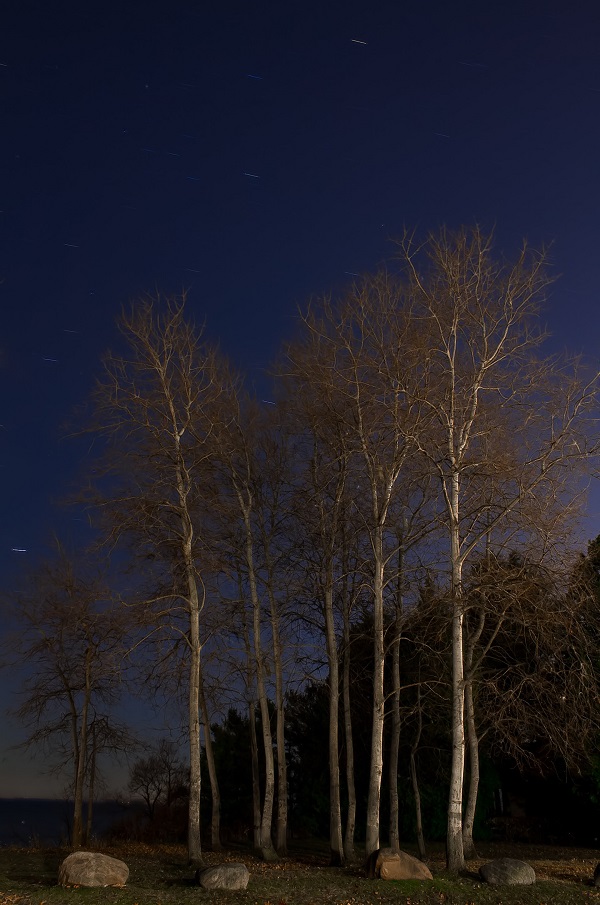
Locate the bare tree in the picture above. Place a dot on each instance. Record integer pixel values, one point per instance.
(273, 451)
(497, 416)
(157, 405)
(319, 503)
(72, 641)
(439, 368)
(160, 778)
(253, 461)
(233, 649)
(359, 362)
(238, 449)
(413, 517)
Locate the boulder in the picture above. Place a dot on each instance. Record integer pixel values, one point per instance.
(597, 875)
(389, 865)
(230, 875)
(507, 872)
(92, 869)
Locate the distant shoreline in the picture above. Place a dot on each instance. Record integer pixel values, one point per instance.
(47, 821)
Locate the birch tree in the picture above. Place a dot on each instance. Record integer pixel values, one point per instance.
(156, 406)
(215, 818)
(253, 465)
(499, 415)
(319, 505)
(360, 359)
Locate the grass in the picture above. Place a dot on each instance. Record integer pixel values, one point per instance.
(159, 875)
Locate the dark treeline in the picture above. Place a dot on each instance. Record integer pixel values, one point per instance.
(363, 595)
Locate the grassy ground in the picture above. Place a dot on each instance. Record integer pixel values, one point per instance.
(160, 876)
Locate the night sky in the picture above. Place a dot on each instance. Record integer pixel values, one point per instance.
(254, 154)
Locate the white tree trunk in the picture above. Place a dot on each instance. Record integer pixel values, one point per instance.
(415, 778)
(395, 709)
(255, 777)
(335, 815)
(472, 736)
(251, 667)
(267, 849)
(473, 741)
(454, 843)
(376, 768)
(215, 823)
(282, 790)
(194, 607)
(194, 844)
(351, 816)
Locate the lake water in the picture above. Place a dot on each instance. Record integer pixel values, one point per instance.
(24, 821)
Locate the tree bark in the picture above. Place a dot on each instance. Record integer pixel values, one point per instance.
(472, 737)
(351, 816)
(473, 742)
(376, 768)
(215, 822)
(415, 778)
(267, 849)
(160, 404)
(335, 816)
(251, 668)
(395, 710)
(282, 790)
(454, 843)
(255, 776)
(194, 844)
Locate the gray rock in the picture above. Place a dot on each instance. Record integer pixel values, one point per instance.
(230, 875)
(597, 875)
(92, 869)
(507, 872)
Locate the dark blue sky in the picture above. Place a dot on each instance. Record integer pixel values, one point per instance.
(255, 153)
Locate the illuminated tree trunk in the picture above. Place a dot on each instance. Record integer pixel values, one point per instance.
(194, 645)
(250, 684)
(194, 844)
(415, 778)
(266, 847)
(255, 776)
(351, 816)
(473, 742)
(472, 736)
(395, 711)
(335, 815)
(282, 789)
(215, 822)
(376, 768)
(159, 406)
(454, 843)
